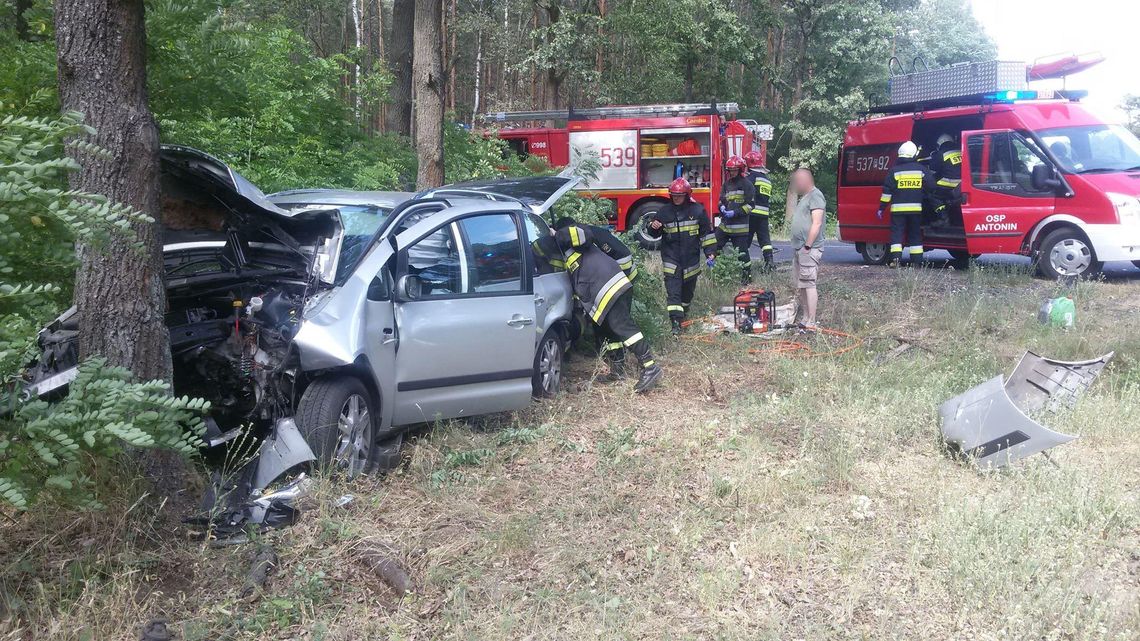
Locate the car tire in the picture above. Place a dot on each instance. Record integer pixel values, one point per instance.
(637, 221)
(960, 260)
(547, 378)
(874, 253)
(1066, 254)
(337, 417)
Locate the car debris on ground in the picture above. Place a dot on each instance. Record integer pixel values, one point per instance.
(990, 425)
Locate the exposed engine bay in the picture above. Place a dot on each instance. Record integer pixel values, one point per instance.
(231, 346)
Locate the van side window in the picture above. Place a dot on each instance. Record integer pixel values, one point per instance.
(1004, 162)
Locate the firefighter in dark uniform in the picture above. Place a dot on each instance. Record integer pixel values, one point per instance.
(605, 293)
(758, 219)
(904, 189)
(606, 241)
(685, 233)
(736, 197)
(946, 167)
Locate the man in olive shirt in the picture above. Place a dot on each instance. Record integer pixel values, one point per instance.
(807, 244)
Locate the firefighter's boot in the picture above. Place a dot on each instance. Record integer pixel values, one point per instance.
(894, 256)
(650, 377)
(768, 266)
(614, 356)
(676, 327)
(917, 258)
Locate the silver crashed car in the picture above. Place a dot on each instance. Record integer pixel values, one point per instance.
(342, 317)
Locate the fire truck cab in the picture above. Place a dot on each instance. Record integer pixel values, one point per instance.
(640, 149)
(1044, 178)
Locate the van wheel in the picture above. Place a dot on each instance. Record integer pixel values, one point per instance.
(1066, 254)
(874, 253)
(336, 416)
(960, 260)
(639, 218)
(548, 366)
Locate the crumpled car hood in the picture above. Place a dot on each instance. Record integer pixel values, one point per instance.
(209, 208)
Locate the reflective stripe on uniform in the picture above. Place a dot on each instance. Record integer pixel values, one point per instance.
(669, 268)
(609, 347)
(691, 272)
(948, 182)
(896, 249)
(575, 236)
(908, 179)
(648, 363)
(708, 239)
(916, 249)
(560, 264)
(760, 210)
(625, 262)
(766, 248)
(734, 228)
(674, 308)
(632, 273)
(885, 198)
(606, 295)
(906, 208)
(629, 342)
(572, 261)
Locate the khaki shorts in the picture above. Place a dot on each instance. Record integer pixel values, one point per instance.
(805, 267)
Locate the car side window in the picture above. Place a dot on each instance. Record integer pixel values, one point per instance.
(493, 252)
(1003, 162)
(436, 260)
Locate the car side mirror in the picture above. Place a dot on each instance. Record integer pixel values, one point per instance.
(408, 288)
(1044, 178)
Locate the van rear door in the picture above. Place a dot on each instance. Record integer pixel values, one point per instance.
(999, 203)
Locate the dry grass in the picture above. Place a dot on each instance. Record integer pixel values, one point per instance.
(791, 499)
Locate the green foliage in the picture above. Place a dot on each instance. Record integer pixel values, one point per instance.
(40, 218)
(725, 272)
(47, 448)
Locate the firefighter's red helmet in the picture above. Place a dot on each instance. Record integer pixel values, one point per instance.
(680, 187)
(735, 162)
(754, 159)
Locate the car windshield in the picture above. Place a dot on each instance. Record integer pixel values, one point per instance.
(360, 224)
(1093, 148)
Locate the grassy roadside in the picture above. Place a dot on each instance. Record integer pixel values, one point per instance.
(755, 496)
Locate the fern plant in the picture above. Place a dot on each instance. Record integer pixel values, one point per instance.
(47, 448)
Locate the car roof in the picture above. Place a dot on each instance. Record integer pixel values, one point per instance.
(320, 197)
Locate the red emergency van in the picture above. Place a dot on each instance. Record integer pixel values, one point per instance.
(1041, 177)
(640, 148)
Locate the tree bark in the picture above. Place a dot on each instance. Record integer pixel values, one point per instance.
(427, 88)
(119, 290)
(400, 57)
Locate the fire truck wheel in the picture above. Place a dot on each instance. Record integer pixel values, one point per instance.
(1065, 253)
(638, 218)
(873, 253)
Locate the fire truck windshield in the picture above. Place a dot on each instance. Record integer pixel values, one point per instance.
(1093, 148)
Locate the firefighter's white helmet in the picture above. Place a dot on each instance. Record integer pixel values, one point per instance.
(908, 150)
(945, 138)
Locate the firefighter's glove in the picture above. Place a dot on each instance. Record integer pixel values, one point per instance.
(879, 213)
(710, 261)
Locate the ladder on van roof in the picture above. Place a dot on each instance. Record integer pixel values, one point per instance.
(632, 111)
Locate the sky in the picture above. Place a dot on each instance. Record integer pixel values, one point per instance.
(1030, 29)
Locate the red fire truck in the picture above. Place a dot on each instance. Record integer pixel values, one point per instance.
(1041, 175)
(641, 149)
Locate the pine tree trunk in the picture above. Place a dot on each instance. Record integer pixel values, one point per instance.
(119, 291)
(400, 57)
(427, 88)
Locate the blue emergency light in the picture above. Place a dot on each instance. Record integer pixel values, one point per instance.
(1011, 95)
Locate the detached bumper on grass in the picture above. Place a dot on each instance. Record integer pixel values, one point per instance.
(988, 423)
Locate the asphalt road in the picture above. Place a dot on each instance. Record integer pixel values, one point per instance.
(837, 253)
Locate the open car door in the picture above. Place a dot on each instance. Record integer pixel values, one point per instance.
(1000, 205)
(537, 193)
(465, 315)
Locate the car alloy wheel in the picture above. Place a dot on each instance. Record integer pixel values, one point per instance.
(548, 366)
(355, 432)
